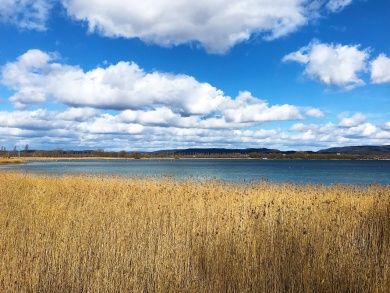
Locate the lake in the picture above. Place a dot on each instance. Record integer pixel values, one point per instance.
(326, 172)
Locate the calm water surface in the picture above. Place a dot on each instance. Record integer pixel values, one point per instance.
(327, 172)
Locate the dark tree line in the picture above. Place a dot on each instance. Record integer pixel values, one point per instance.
(193, 153)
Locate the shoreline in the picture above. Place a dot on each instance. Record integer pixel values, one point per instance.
(29, 159)
(11, 161)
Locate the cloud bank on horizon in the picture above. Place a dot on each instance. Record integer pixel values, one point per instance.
(121, 105)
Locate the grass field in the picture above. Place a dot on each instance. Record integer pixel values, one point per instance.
(90, 234)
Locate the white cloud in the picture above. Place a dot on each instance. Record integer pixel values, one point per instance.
(352, 121)
(298, 126)
(159, 116)
(332, 64)
(77, 114)
(149, 98)
(337, 5)
(314, 112)
(246, 108)
(353, 131)
(44, 128)
(25, 76)
(35, 78)
(108, 124)
(40, 119)
(380, 69)
(123, 107)
(165, 117)
(25, 14)
(361, 130)
(216, 24)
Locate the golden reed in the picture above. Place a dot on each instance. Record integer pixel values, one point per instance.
(106, 234)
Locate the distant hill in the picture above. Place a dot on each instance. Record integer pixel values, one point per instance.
(336, 153)
(215, 151)
(358, 150)
(350, 152)
(377, 150)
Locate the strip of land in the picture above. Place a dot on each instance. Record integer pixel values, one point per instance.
(89, 233)
(5, 161)
(340, 153)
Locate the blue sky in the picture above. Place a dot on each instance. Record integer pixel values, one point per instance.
(291, 74)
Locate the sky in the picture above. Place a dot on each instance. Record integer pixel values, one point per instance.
(168, 74)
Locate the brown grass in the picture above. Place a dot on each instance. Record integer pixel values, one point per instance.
(90, 234)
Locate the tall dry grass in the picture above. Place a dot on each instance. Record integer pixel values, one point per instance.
(95, 234)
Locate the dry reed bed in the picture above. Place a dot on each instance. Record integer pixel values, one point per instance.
(80, 233)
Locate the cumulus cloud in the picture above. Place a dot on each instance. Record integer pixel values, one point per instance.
(108, 124)
(40, 119)
(380, 69)
(25, 14)
(246, 108)
(352, 121)
(77, 114)
(314, 112)
(362, 130)
(35, 78)
(332, 64)
(123, 130)
(165, 117)
(217, 25)
(123, 107)
(149, 98)
(349, 131)
(162, 116)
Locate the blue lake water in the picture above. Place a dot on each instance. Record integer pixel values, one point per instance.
(326, 172)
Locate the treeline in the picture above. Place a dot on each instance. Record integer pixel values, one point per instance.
(348, 153)
(69, 154)
(204, 154)
(320, 156)
(267, 154)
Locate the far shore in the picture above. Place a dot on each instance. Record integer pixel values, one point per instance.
(29, 159)
(6, 161)
(127, 159)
